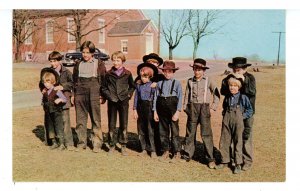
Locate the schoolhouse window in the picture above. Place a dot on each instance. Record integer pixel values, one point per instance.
(71, 30)
(101, 31)
(49, 31)
(124, 46)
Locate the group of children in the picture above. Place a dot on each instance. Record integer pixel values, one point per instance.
(158, 98)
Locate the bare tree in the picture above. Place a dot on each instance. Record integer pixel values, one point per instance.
(24, 27)
(174, 28)
(202, 23)
(82, 19)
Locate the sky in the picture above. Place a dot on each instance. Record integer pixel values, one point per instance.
(245, 33)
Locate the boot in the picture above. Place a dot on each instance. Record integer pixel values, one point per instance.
(143, 153)
(61, 144)
(111, 150)
(54, 144)
(124, 151)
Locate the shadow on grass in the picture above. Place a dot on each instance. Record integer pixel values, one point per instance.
(132, 144)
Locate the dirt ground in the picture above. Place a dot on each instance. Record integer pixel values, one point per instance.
(33, 161)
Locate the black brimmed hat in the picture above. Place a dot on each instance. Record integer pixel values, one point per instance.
(142, 65)
(239, 62)
(50, 70)
(200, 63)
(153, 56)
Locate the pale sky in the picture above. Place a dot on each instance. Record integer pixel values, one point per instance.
(246, 32)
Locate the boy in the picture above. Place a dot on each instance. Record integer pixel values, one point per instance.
(66, 86)
(197, 98)
(236, 108)
(87, 75)
(53, 101)
(118, 88)
(239, 66)
(142, 109)
(157, 61)
(167, 106)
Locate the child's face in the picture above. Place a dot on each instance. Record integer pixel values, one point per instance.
(86, 55)
(239, 70)
(48, 85)
(54, 63)
(145, 78)
(233, 88)
(117, 62)
(198, 72)
(168, 74)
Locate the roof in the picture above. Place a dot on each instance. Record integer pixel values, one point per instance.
(129, 28)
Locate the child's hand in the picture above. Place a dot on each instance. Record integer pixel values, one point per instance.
(175, 116)
(44, 90)
(156, 118)
(56, 88)
(153, 85)
(135, 115)
(58, 100)
(138, 81)
(102, 100)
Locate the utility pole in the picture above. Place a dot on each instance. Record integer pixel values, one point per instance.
(158, 37)
(278, 45)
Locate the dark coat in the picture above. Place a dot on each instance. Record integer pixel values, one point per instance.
(118, 88)
(248, 88)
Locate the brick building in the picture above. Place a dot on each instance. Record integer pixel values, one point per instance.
(126, 30)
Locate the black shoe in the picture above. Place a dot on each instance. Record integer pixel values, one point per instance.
(185, 158)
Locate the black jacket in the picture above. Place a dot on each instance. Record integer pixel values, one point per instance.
(248, 88)
(117, 88)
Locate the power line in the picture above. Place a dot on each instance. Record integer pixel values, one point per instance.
(279, 40)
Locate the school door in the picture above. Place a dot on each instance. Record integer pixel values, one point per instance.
(149, 43)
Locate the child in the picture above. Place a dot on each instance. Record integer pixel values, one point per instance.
(118, 88)
(87, 75)
(142, 108)
(239, 65)
(155, 60)
(66, 86)
(197, 98)
(236, 108)
(167, 106)
(53, 101)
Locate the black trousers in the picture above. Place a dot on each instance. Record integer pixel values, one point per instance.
(145, 125)
(114, 108)
(87, 102)
(199, 114)
(166, 108)
(54, 126)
